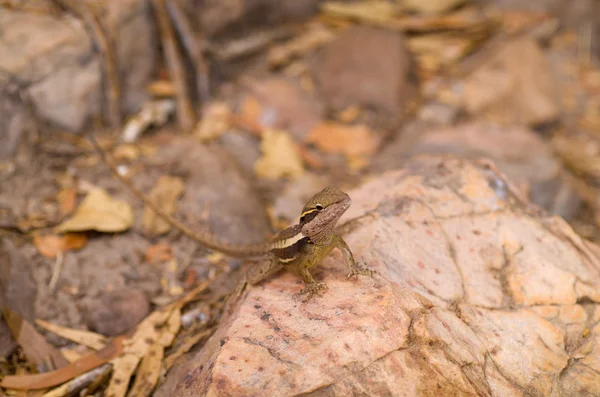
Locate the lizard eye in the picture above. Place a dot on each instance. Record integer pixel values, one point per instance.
(319, 207)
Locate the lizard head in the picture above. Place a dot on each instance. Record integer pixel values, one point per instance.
(322, 211)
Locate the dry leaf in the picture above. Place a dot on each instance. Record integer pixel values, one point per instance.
(170, 282)
(377, 12)
(280, 158)
(190, 341)
(349, 114)
(123, 368)
(148, 373)
(249, 116)
(74, 352)
(430, 6)
(164, 194)
(53, 378)
(169, 331)
(151, 330)
(126, 152)
(435, 51)
(38, 352)
(159, 253)
(124, 353)
(67, 200)
(87, 338)
(388, 15)
(99, 211)
(333, 137)
(216, 120)
(162, 88)
(152, 113)
(51, 245)
(78, 383)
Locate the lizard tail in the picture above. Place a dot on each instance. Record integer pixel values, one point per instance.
(210, 241)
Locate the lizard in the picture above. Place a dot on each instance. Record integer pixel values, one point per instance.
(298, 248)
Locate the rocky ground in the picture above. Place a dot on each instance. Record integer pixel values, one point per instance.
(466, 134)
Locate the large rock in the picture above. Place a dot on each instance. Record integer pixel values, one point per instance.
(366, 66)
(516, 85)
(54, 62)
(478, 295)
(519, 152)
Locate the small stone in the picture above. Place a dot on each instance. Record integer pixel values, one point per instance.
(117, 312)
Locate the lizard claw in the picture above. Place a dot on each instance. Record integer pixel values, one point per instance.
(312, 288)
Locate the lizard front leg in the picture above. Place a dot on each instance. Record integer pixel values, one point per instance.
(355, 268)
(312, 286)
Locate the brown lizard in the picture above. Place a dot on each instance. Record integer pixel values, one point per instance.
(298, 248)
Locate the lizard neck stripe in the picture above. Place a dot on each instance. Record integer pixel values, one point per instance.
(286, 260)
(288, 242)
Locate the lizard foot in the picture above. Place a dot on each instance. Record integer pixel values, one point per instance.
(313, 288)
(360, 269)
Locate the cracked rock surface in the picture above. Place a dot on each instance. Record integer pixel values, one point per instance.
(478, 294)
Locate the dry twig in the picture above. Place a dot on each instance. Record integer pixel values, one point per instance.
(185, 111)
(138, 193)
(192, 46)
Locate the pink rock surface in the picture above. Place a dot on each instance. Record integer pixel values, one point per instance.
(477, 295)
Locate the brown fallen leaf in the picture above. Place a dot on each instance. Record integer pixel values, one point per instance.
(53, 378)
(216, 120)
(378, 12)
(159, 253)
(86, 338)
(99, 211)
(388, 15)
(332, 137)
(38, 352)
(123, 369)
(436, 51)
(169, 281)
(126, 152)
(74, 352)
(51, 245)
(152, 328)
(431, 6)
(280, 156)
(161, 88)
(124, 351)
(164, 194)
(78, 383)
(349, 114)
(155, 112)
(67, 200)
(149, 371)
(249, 115)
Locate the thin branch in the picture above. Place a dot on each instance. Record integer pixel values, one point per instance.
(138, 193)
(207, 240)
(185, 111)
(192, 46)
